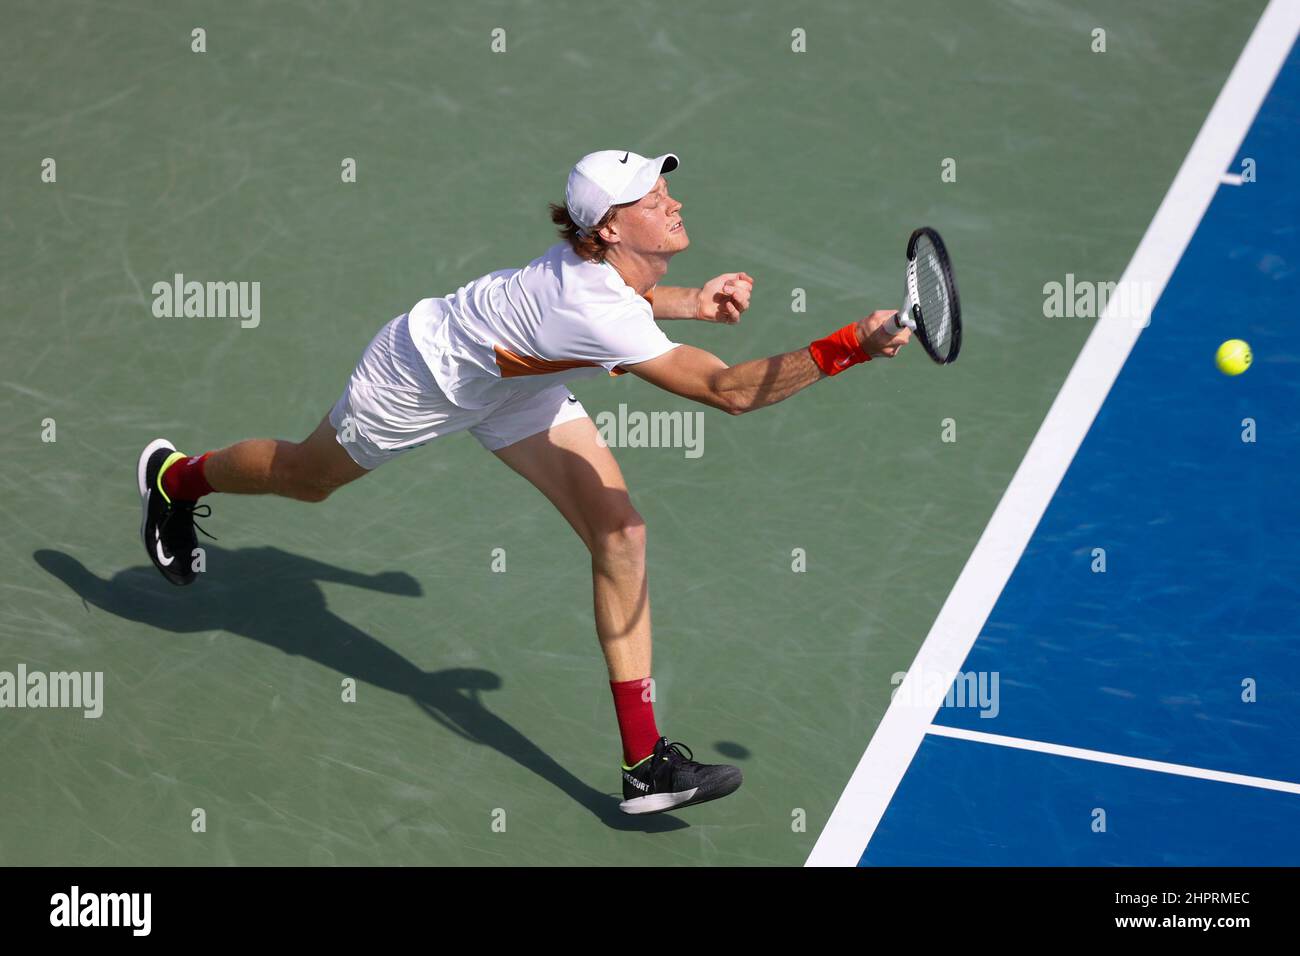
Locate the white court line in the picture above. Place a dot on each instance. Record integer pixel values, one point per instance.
(1119, 760)
(1231, 179)
(999, 548)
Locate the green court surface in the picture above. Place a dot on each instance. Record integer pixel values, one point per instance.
(481, 696)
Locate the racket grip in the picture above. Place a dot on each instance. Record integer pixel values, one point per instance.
(896, 323)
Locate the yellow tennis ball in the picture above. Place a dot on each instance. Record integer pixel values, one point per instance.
(1233, 357)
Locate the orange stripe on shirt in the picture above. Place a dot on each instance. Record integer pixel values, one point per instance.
(513, 365)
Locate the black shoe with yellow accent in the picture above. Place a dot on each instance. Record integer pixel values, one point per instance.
(669, 778)
(167, 527)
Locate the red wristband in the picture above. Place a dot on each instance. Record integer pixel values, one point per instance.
(839, 350)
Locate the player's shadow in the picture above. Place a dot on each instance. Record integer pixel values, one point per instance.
(274, 597)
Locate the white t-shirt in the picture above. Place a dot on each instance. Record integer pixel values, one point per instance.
(558, 318)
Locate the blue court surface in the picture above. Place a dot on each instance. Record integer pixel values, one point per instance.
(1185, 649)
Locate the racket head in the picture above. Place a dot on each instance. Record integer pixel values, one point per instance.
(931, 305)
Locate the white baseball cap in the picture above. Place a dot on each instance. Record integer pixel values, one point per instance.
(608, 178)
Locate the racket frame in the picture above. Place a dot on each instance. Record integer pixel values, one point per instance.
(907, 315)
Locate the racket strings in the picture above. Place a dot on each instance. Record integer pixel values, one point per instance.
(933, 298)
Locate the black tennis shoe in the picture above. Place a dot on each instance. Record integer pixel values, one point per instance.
(669, 778)
(167, 527)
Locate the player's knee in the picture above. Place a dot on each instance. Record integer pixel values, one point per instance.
(310, 488)
(314, 493)
(303, 476)
(622, 540)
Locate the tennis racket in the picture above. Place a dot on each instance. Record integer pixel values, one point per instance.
(931, 308)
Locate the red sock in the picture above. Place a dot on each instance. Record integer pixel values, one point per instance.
(185, 481)
(636, 718)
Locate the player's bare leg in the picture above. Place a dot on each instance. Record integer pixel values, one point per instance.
(579, 475)
(581, 478)
(308, 470)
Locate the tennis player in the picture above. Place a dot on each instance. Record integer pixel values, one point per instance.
(494, 359)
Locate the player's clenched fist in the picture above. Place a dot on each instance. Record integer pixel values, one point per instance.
(724, 298)
(877, 337)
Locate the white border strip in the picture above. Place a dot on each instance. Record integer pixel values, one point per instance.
(872, 786)
(1119, 760)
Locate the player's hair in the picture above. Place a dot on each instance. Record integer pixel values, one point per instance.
(590, 247)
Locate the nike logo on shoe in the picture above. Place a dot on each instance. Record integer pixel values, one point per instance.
(158, 549)
(625, 156)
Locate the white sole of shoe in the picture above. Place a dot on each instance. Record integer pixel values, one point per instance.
(658, 802)
(145, 455)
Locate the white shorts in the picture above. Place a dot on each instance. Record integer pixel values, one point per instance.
(392, 404)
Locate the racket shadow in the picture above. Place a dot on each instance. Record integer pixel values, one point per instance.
(274, 597)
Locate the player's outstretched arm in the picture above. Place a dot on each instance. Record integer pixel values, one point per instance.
(703, 377)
